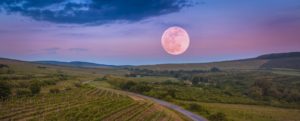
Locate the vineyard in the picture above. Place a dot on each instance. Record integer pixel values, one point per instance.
(83, 104)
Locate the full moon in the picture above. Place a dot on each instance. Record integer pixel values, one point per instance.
(175, 40)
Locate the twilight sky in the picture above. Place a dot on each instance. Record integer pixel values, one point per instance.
(125, 32)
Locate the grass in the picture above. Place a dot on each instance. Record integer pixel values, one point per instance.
(241, 112)
(100, 84)
(234, 104)
(77, 97)
(237, 112)
(91, 101)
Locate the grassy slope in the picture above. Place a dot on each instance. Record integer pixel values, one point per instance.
(239, 64)
(235, 112)
(277, 60)
(78, 103)
(238, 112)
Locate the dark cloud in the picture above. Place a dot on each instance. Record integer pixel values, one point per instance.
(92, 11)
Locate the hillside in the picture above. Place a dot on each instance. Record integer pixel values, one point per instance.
(280, 55)
(279, 60)
(31, 91)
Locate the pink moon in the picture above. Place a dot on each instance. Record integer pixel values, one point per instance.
(175, 40)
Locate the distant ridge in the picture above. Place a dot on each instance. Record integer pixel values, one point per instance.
(290, 60)
(279, 55)
(74, 64)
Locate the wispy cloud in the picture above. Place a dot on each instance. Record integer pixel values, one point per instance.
(78, 49)
(53, 50)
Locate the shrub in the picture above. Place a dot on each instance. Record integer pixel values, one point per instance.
(35, 87)
(194, 107)
(198, 108)
(54, 90)
(5, 89)
(78, 84)
(140, 88)
(127, 85)
(168, 98)
(23, 92)
(217, 117)
(61, 76)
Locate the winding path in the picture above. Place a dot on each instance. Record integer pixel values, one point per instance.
(187, 113)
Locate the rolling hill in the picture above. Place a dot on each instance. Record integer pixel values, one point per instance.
(64, 93)
(278, 60)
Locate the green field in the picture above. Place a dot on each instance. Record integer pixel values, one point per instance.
(44, 92)
(223, 95)
(32, 91)
(238, 112)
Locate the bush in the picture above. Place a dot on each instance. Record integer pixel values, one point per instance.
(198, 108)
(5, 89)
(140, 88)
(127, 85)
(78, 84)
(194, 107)
(218, 117)
(35, 87)
(54, 90)
(23, 92)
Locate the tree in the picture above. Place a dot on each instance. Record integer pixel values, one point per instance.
(5, 89)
